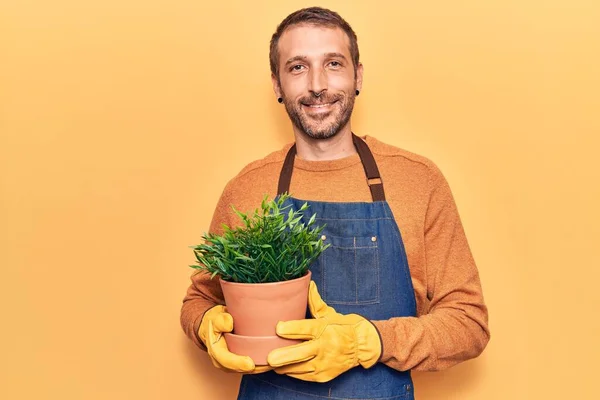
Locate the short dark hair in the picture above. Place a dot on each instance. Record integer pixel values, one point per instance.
(312, 16)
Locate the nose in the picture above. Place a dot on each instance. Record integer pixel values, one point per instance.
(317, 82)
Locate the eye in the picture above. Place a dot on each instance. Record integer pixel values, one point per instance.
(335, 64)
(297, 67)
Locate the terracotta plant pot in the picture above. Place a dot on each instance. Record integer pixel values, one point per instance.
(256, 309)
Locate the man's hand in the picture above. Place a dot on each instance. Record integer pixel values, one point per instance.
(335, 343)
(215, 322)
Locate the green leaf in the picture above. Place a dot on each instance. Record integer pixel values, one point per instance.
(270, 246)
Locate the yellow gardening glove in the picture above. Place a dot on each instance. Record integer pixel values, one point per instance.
(214, 323)
(335, 343)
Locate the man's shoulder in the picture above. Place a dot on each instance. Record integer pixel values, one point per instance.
(271, 162)
(256, 179)
(384, 152)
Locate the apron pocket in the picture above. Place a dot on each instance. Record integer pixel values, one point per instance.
(350, 270)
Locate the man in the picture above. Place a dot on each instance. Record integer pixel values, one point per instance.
(398, 290)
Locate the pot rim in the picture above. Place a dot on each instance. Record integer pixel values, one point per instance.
(307, 276)
(270, 337)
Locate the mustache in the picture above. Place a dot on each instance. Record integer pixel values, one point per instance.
(322, 99)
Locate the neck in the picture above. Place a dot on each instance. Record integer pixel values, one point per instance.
(338, 146)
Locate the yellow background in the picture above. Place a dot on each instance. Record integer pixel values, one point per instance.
(122, 120)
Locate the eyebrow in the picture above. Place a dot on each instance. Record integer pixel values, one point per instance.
(303, 58)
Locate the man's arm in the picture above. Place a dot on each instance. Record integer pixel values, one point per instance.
(204, 293)
(455, 328)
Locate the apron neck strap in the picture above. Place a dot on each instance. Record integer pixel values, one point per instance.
(366, 157)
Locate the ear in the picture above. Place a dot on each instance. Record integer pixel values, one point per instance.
(359, 76)
(276, 86)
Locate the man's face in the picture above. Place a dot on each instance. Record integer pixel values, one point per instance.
(316, 79)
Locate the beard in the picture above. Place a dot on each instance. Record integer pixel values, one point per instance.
(320, 125)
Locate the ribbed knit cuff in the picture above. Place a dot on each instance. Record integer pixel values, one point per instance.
(381, 331)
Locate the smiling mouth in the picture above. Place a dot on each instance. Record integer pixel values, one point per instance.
(320, 105)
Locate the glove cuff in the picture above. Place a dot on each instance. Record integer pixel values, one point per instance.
(369, 343)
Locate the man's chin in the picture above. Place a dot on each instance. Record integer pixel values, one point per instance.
(320, 134)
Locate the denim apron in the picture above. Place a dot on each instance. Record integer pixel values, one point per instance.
(364, 271)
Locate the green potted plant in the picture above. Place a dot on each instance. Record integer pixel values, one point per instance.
(263, 270)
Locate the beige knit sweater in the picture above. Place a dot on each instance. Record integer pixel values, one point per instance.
(452, 322)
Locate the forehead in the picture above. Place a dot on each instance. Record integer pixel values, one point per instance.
(312, 41)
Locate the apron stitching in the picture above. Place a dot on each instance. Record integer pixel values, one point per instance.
(323, 280)
(354, 219)
(378, 273)
(357, 247)
(350, 303)
(295, 391)
(407, 274)
(356, 301)
(355, 272)
(329, 396)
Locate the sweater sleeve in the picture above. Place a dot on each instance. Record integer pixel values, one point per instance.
(455, 326)
(204, 293)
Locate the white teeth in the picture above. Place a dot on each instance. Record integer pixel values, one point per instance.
(319, 105)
